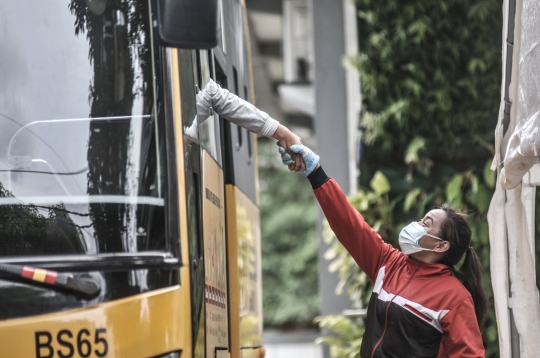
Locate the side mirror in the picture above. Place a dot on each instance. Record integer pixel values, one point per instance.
(190, 24)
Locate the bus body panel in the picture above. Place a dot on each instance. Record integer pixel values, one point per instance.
(112, 329)
(244, 240)
(216, 291)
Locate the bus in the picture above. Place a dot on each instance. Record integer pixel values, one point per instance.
(121, 235)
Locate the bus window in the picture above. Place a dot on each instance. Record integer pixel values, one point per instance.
(209, 134)
(235, 79)
(239, 134)
(240, 142)
(221, 33)
(205, 66)
(188, 82)
(211, 58)
(249, 135)
(80, 166)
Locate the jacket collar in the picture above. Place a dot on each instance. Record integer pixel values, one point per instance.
(425, 269)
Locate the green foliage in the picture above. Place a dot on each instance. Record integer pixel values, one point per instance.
(427, 68)
(290, 245)
(453, 190)
(344, 343)
(430, 76)
(380, 184)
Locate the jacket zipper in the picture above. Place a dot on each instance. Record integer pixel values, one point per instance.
(388, 307)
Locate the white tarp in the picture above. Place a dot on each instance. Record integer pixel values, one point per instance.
(511, 213)
(524, 144)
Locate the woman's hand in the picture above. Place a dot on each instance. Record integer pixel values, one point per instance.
(310, 160)
(286, 139)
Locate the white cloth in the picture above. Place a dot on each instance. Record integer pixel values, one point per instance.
(511, 212)
(523, 150)
(499, 269)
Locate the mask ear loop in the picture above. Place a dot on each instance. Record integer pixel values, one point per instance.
(426, 233)
(435, 237)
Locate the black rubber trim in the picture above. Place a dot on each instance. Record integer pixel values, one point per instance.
(317, 178)
(107, 262)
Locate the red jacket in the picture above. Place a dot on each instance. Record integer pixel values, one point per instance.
(416, 309)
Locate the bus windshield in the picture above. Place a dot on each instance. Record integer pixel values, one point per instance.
(81, 149)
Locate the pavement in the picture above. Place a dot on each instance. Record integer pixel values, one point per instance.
(297, 344)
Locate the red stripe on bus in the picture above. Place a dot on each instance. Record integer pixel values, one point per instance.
(51, 277)
(28, 272)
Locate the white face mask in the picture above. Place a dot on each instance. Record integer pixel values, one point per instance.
(409, 237)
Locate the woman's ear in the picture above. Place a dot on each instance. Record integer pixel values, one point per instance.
(442, 246)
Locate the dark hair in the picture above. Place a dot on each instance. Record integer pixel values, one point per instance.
(456, 230)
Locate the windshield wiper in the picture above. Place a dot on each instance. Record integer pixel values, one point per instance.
(52, 278)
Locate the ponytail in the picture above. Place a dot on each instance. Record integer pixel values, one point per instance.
(470, 275)
(456, 230)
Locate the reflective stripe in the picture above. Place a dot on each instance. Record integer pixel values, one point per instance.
(51, 277)
(379, 281)
(425, 313)
(436, 316)
(39, 275)
(28, 272)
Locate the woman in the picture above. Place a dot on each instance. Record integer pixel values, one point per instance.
(421, 305)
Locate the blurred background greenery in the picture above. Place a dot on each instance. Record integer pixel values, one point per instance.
(290, 244)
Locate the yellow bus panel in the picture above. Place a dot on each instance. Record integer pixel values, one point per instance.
(217, 333)
(144, 325)
(244, 241)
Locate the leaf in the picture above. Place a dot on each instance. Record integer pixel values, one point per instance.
(474, 183)
(334, 266)
(330, 254)
(359, 200)
(421, 206)
(327, 233)
(414, 147)
(418, 30)
(367, 16)
(479, 11)
(489, 175)
(475, 64)
(492, 333)
(413, 86)
(379, 183)
(453, 190)
(339, 288)
(480, 199)
(410, 199)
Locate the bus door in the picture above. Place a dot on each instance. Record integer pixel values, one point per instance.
(214, 231)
